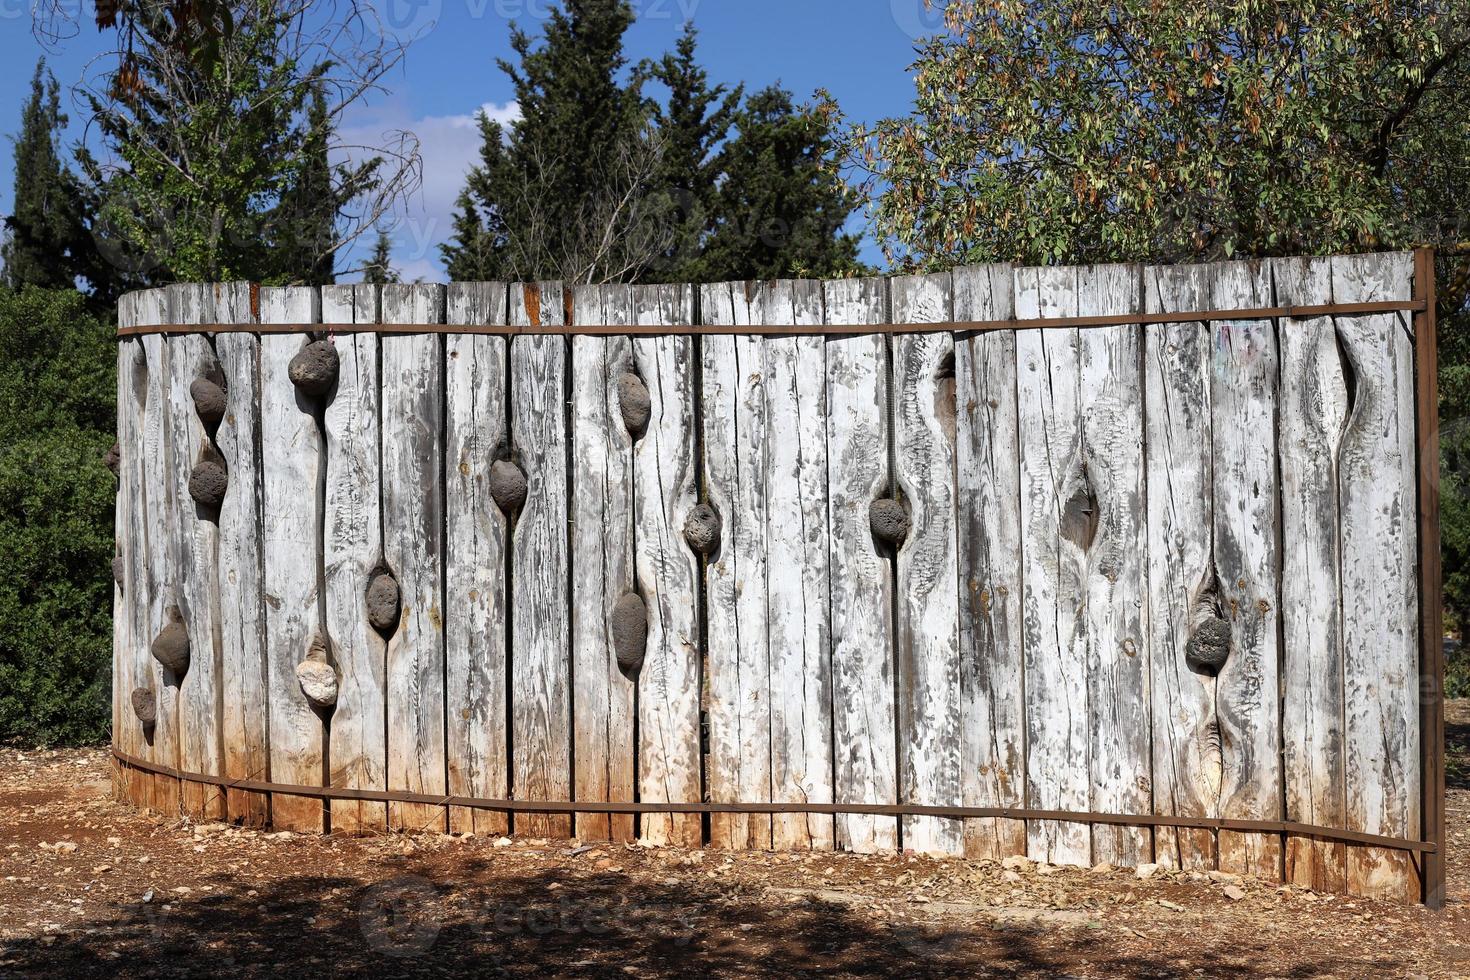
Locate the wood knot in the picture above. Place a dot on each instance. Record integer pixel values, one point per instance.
(629, 633)
(314, 369)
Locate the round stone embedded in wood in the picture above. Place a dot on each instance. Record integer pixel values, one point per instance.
(314, 370)
(630, 632)
(208, 482)
(171, 647)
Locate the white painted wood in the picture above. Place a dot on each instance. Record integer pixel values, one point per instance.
(930, 735)
(863, 724)
(602, 563)
(292, 459)
(1054, 565)
(1116, 587)
(476, 558)
(1187, 754)
(1379, 506)
(245, 718)
(1247, 560)
(412, 407)
(665, 489)
(131, 660)
(541, 590)
(195, 539)
(352, 547)
(164, 577)
(798, 589)
(1313, 412)
(988, 481)
(738, 664)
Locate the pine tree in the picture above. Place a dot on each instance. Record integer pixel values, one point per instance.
(304, 223)
(379, 270)
(780, 207)
(691, 129)
(46, 236)
(563, 192)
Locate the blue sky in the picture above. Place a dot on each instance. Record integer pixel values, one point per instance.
(857, 49)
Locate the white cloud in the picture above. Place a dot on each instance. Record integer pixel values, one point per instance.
(449, 147)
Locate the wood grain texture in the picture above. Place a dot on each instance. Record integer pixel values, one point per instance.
(477, 558)
(737, 658)
(541, 590)
(164, 578)
(245, 720)
(797, 582)
(1243, 405)
(413, 548)
(1313, 411)
(1379, 507)
(863, 725)
(1116, 586)
(292, 461)
(930, 737)
(602, 564)
(1187, 754)
(131, 660)
(665, 489)
(988, 484)
(195, 539)
(1054, 502)
(352, 548)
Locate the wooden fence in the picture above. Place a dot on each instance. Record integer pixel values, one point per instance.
(1136, 564)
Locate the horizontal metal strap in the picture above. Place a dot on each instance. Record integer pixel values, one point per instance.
(785, 329)
(873, 809)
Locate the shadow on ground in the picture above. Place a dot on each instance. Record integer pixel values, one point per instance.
(590, 924)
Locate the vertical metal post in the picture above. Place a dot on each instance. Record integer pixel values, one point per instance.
(1431, 665)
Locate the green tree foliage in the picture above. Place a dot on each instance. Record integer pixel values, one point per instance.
(58, 371)
(379, 268)
(1061, 130)
(599, 182)
(46, 241)
(220, 130)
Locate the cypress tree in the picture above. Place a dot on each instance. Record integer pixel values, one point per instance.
(46, 234)
(379, 269)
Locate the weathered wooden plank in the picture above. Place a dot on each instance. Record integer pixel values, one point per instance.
(1054, 532)
(665, 490)
(412, 482)
(245, 713)
(737, 658)
(1247, 560)
(476, 558)
(863, 724)
(131, 660)
(930, 740)
(1314, 410)
(798, 588)
(195, 540)
(988, 483)
(1380, 595)
(163, 575)
(541, 589)
(292, 461)
(352, 548)
(602, 563)
(1187, 754)
(1116, 586)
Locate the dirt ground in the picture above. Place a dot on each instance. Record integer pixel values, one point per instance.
(91, 888)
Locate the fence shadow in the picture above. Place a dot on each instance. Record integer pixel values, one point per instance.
(424, 921)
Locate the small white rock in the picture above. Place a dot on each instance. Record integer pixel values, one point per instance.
(1146, 871)
(318, 682)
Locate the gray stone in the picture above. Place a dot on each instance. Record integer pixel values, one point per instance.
(630, 632)
(208, 482)
(1209, 645)
(634, 404)
(889, 520)
(702, 529)
(314, 369)
(171, 647)
(113, 458)
(145, 706)
(318, 682)
(383, 603)
(119, 569)
(209, 401)
(507, 486)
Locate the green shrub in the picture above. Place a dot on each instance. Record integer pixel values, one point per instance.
(57, 403)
